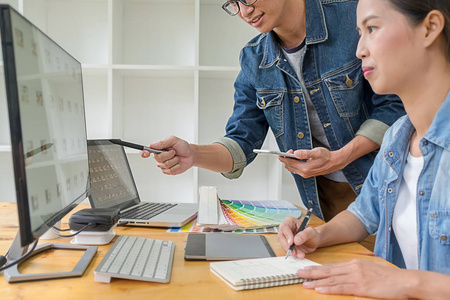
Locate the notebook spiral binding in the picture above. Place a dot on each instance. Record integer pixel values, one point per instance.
(269, 281)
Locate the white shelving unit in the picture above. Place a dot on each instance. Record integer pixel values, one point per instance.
(151, 69)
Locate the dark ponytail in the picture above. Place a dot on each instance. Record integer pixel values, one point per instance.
(417, 10)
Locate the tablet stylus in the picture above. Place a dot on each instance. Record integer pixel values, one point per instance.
(135, 146)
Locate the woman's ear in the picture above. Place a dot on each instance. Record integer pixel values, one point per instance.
(434, 24)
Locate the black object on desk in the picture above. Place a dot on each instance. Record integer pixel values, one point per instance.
(226, 246)
(102, 219)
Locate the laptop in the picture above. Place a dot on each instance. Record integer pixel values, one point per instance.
(113, 185)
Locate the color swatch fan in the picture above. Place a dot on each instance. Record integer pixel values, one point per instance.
(237, 214)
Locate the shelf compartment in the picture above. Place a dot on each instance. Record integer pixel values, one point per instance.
(216, 101)
(153, 105)
(154, 32)
(97, 107)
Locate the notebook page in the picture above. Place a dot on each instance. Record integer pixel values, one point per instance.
(240, 271)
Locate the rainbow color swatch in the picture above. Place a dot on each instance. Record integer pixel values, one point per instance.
(257, 214)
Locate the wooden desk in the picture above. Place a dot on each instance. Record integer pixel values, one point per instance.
(190, 279)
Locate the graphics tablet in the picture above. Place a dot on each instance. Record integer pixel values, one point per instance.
(225, 246)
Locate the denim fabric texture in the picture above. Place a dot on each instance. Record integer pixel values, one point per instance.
(374, 207)
(268, 94)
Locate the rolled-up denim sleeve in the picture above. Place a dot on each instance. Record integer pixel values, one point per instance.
(374, 130)
(386, 109)
(239, 159)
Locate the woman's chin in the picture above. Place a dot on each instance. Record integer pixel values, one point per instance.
(380, 89)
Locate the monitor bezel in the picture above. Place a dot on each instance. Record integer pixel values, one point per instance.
(27, 235)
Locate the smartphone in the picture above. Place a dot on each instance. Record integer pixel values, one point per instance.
(135, 146)
(261, 151)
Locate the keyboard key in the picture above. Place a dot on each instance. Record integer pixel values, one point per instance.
(147, 210)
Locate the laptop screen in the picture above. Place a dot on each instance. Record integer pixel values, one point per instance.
(111, 178)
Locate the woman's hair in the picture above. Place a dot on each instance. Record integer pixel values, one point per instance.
(417, 10)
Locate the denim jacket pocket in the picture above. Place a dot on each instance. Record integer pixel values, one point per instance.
(440, 226)
(271, 104)
(344, 88)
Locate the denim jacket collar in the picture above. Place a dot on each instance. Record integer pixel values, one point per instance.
(436, 134)
(316, 32)
(271, 50)
(438, 131)
(394, 153)
(316, 27)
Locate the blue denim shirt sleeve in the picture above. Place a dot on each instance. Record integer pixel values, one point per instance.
(247, 126)
(372, 207)
(366, 205)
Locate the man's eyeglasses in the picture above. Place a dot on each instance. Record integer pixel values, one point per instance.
(232, 7)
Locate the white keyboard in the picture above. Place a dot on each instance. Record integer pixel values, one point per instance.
(137, 258)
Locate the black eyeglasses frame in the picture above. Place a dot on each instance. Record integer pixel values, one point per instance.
(235, 2)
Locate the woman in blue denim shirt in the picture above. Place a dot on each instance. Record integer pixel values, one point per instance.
(301, 78)
(405, 49)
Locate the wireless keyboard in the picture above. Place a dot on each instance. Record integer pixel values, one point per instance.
(137, 258)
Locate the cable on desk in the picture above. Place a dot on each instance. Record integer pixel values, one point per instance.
(54, 229)
(3, 259)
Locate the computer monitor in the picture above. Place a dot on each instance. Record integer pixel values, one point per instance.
(45, 102)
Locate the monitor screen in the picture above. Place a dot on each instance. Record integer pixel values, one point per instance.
(47, 123)
(111, 178)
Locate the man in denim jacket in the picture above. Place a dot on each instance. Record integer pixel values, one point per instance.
(301, 78)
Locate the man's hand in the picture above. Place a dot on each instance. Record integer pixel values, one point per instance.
(315, 162)
(178, 157)
(321, 161)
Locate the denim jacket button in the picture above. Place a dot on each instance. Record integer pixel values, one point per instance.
(300, 135)
(263, 103)
(443, 237)
(312, 92)
(348, 81)
(389, 190)
(296, 99)
(421, 193)
(391, 154)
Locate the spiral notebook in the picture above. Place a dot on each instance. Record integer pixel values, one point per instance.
(260, 272)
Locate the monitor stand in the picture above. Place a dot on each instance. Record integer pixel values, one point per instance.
(16, 251)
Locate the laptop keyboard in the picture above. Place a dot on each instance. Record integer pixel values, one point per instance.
(146, 211)
(137, 258)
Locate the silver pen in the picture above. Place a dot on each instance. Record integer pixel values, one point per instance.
(301, 228)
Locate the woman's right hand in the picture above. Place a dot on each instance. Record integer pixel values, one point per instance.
(306, 241)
